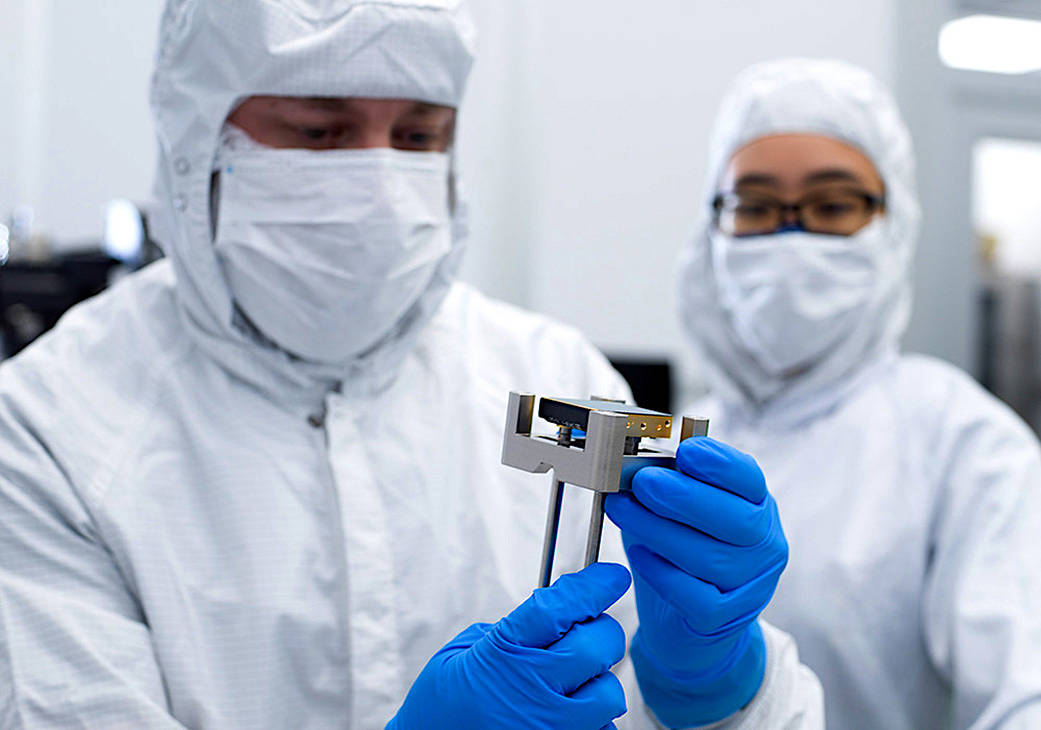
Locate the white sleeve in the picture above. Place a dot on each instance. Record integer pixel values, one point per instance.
(981, 609)
(75, 650)
(790, 697)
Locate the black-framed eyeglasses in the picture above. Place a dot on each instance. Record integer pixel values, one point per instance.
(835, 212)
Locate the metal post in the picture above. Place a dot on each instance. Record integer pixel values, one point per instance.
(596, 529)
(549, 541)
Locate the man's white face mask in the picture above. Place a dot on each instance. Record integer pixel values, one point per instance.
(326, 251)
(792, 297)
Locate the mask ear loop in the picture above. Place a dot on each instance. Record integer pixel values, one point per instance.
(228, 133)
(214, 204)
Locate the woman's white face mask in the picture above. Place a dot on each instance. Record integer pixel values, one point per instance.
(326, 251)
(792, 297)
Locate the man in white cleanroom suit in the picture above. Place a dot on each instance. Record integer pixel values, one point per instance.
(911, 498)
(258, 484)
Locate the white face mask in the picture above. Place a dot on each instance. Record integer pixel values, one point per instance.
(792, 297)
(326, 251)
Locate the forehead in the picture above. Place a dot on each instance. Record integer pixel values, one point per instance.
(796, 161)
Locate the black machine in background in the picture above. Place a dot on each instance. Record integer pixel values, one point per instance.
(650, 380)
(1009, 360)
(34, 295)
(38, 285)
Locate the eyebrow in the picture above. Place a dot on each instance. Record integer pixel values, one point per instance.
(836, 174)
(326, 103)
(422, 107)
(757, 178)
(831, 175)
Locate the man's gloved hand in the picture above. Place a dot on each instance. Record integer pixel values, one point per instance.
(546, 665)
(706, 549)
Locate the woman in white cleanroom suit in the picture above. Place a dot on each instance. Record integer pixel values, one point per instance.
(911, 498)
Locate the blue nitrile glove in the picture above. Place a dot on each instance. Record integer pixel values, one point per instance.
(546, 665)
(706, 549)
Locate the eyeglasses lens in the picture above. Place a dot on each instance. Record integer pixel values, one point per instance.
(839, 213)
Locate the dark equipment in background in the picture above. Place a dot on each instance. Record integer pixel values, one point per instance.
(37, 287)
(34, 296)
(650, 380)
(1010, 343)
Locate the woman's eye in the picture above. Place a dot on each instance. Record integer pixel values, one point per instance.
(752, 211)
(833, 210)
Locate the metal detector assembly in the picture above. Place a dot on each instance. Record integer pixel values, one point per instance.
(598, 446)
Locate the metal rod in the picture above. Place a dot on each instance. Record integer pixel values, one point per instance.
(596, 529)
(549, 542)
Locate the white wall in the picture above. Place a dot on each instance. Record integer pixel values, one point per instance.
(19, 100)
(80, 133)
(582, 142)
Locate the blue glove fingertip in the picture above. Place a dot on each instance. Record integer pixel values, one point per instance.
(612, 580)
(575, 597)
(722, 466)
(650, 476)
(604, 692)
(666, 492)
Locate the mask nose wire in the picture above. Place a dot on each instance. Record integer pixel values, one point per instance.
(791, 219)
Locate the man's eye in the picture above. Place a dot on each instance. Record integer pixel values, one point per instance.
(314, 133)
(417, 139)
